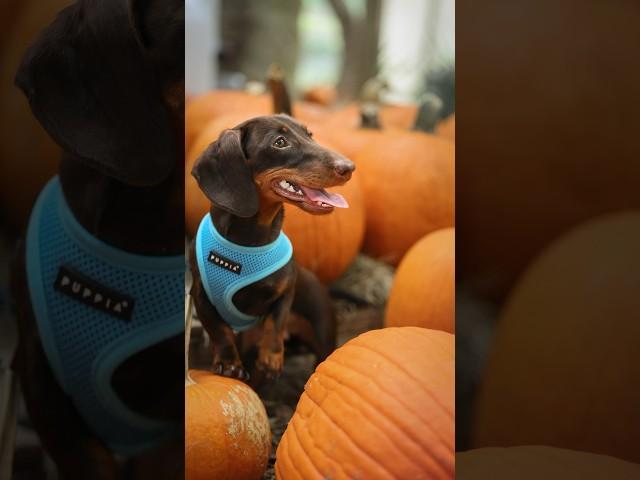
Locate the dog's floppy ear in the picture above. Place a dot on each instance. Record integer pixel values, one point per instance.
(92, 85)
(224, 176)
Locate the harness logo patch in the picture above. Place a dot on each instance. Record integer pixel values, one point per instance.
(86, 290)
(223, 262)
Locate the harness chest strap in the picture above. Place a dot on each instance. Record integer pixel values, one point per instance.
(226, 267)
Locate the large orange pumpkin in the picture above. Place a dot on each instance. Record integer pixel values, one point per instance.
(423, 291)
(565, 363)
(408, 183)
(380, 406)
(327, 244)
(540, 462)
(28, 156)
(227, 435)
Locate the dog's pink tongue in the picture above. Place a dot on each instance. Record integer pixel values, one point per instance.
(321, 195)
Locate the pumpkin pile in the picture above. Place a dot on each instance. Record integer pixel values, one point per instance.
(380, 406)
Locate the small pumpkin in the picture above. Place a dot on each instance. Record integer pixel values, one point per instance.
(423, 291)
(409, 190)
(565, 363)
(378, 407)
(227, 433)
(536, 462)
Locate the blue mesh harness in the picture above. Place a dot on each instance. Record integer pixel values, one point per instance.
(226, 267)
(95, 307)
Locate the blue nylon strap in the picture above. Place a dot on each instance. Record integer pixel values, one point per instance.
(220, 281)
(84, 344)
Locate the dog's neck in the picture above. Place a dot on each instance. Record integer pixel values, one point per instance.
(261, 229)
(140, 220)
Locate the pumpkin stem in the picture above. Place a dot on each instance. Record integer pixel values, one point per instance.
(370, 102)
(369, 116)
(428, 113)
(279, 93)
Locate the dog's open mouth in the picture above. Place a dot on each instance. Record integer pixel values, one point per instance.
(315, 200)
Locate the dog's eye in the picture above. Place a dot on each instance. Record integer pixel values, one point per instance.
(281, 142)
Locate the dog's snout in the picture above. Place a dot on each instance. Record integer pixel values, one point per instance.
(344, 167)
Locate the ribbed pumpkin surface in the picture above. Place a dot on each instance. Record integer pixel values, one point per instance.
(327, 244)
(423, 292)
(408, 183)
(379, 407)
(540, 462)
(227, 435)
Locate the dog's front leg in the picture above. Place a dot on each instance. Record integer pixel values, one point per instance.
(271, 348)
(226, 359)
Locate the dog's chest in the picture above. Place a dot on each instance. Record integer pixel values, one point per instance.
(226, 269)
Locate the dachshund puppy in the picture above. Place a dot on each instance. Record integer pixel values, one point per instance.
(98, 283)
(242, 265)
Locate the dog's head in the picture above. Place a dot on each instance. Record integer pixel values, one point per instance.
(106, 80)
(271, 159)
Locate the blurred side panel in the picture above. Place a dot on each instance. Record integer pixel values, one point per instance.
(28, 156)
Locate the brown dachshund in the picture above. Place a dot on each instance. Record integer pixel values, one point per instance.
(106, 80)
(248, 173)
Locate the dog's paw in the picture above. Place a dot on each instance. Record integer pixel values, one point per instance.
(231, 370)
(270, 363)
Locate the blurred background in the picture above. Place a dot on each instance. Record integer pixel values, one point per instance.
(339, 43)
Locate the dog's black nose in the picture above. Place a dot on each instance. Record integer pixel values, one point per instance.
(344, 167)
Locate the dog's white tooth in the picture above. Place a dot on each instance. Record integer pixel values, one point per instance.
(283, 184)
